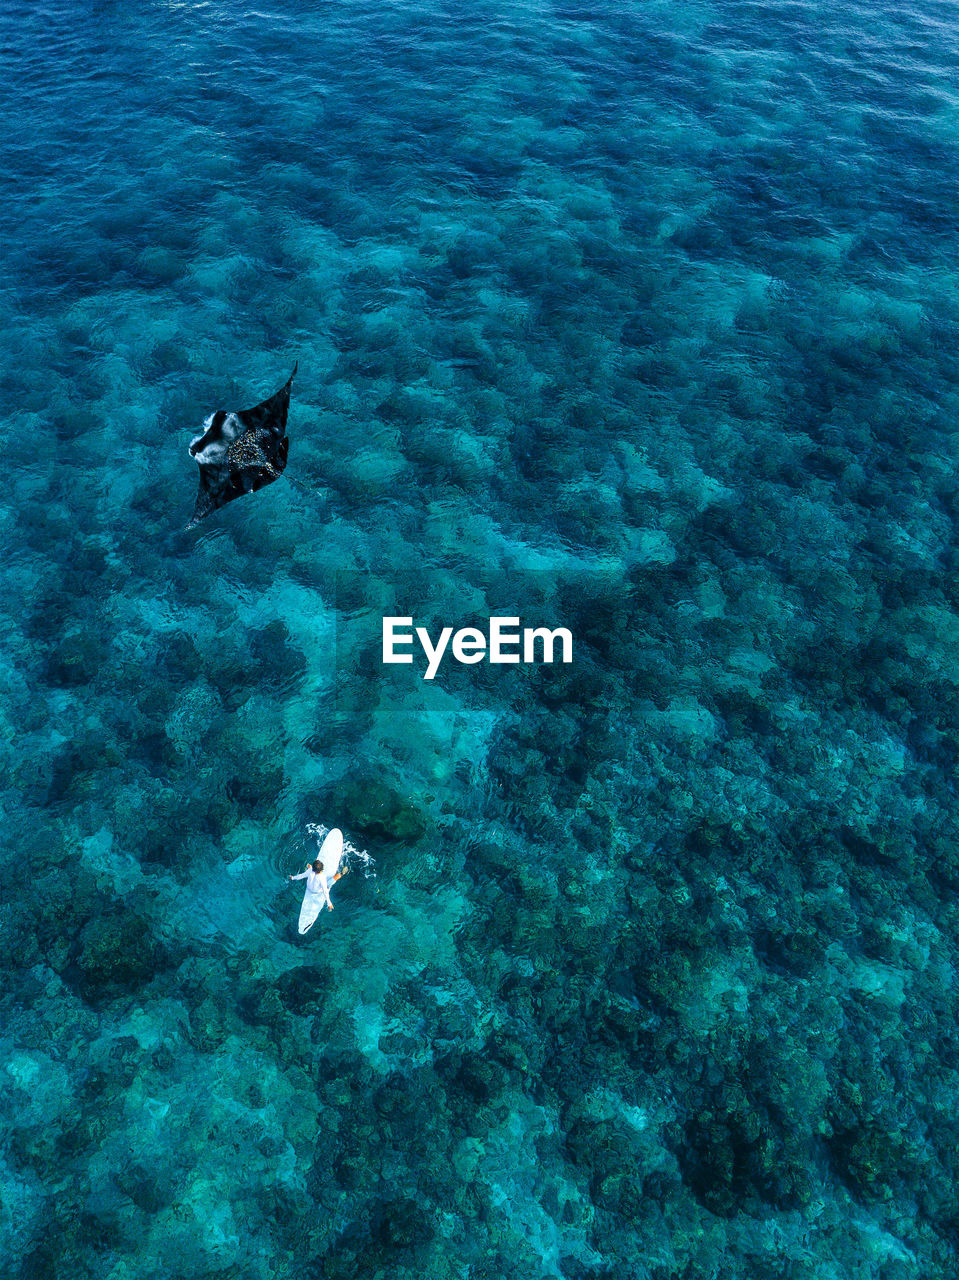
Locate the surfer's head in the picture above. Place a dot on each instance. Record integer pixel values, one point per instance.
(317, 866)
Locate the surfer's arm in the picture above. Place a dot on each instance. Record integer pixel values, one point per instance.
(326, 895)
(301, 876)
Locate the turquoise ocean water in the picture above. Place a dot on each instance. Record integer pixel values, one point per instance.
(637, 319)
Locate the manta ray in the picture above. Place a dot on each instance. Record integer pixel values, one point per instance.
(240, 452)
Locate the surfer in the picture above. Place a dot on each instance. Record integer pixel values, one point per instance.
(316, 880)
(319, 875)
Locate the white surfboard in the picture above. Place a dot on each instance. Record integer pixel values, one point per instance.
(331, 852)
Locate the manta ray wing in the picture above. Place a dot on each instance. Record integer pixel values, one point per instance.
(241, 452)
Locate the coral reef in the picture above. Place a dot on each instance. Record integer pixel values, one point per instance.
(638, 322)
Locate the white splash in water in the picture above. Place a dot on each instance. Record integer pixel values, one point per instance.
(356, 859)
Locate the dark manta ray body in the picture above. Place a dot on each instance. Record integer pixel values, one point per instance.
(240, 452)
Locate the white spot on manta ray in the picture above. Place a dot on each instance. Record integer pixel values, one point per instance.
(217, 447)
